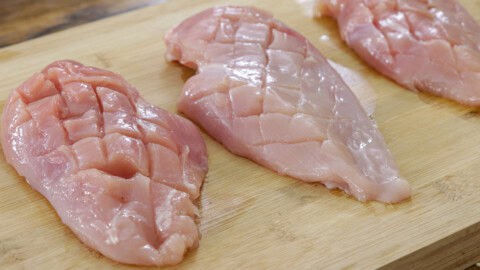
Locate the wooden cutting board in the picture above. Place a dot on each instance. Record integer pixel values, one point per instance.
(252, 218)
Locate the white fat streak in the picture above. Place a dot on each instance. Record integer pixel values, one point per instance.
(360, 87)
(112, 236)
(190, 186)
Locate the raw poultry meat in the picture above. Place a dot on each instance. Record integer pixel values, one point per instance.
(425, 45)
(267, 94)
(121, 173)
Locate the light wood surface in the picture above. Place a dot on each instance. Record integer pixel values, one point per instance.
(252, 218)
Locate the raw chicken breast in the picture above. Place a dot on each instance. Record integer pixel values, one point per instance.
(431, 46)
(267, 94)
(121, 173)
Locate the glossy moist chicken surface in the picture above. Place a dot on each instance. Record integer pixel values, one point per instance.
(425, 45)
(120, 172)
(266, 93)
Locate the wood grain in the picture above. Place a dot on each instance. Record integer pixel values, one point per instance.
(25, 19)
(252, 218)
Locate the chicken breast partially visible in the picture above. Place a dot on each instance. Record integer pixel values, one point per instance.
(431, 46)
(267, 94)
(120, 172)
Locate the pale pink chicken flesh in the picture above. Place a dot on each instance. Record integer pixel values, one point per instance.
(120, 172)
(425, 45)
(267, 94)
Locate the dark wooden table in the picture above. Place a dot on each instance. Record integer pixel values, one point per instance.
(22, 20)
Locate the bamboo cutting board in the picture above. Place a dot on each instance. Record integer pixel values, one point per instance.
(252, 218)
